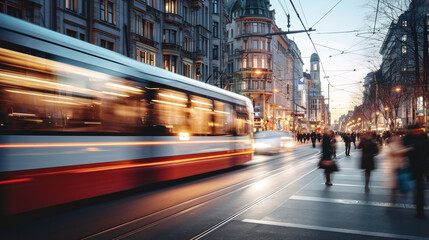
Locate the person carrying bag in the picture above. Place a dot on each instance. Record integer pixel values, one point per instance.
(326, 161)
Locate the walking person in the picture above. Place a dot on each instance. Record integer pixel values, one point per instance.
(418, 157)
(397, 161)
(326, 161)
(313, 139)
(347, 141)
(334, 145)
(369, 150)
(353, 139)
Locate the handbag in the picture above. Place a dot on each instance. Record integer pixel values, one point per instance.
(326, 163)
(405, 180)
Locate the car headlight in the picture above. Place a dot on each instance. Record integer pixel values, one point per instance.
(290, 144)
(261, 145)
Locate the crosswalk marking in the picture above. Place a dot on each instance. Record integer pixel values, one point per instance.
(354, 202)
(337, 230)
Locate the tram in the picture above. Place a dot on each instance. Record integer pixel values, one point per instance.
(79, 121)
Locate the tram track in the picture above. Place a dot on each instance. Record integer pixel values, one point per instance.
(148, 221)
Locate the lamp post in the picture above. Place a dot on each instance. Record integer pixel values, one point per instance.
(376, 124)
(386, 109)
(274, 104)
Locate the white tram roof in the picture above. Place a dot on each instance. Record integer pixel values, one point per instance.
(60, 45)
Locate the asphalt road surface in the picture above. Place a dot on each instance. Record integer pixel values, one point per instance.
(271, 197)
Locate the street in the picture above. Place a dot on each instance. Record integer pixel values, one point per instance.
(271, 197)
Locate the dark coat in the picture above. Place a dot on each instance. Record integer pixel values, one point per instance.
(418, 155)
(369, 150)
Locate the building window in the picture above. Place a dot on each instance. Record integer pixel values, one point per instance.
(150, 2)
(215, 29)
(215, 52)
(187, 70)
(255, 44)
(171, 6)
(144, 28)
(107, 11)
(14, 12)
(169, 36)
(215, 6)
(185, 14)
(404, 23)
(107, 44)
(404, 49)
(71, 5)
(187, 44)
(170, 63)
(215, 74)
(82, 37)
(404, 37)
(71, 33)
(146, 57)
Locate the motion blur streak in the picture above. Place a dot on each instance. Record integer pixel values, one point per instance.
(16, 180)
(84, 144)
(156, 163)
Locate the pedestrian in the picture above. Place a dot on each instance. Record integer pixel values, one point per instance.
(347, 141)
(369, 150)
(334, 145)
(397, 161)
(326, 161)
(313, 139)
(418, 157)
(353, 138)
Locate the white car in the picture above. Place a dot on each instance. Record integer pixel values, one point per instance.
(270, 142)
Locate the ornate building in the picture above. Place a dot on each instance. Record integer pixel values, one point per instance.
(259, 64)
(182, 36)
(318, 110)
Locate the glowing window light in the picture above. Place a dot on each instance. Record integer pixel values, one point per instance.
(184, 136)
(115, 94)
(124, 87)
(169, 103)
(203, 103)
(39, 94)
(203, 109)
(174, 97)
(61, 102)
(222, 112)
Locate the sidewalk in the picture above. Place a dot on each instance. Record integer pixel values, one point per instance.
(341, 211)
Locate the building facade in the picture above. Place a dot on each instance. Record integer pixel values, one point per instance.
(182, 36)
(259, 63)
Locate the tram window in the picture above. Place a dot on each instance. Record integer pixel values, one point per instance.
(169, 109)
(45, 95)
(223, 118)
(201, 116)
(241, 121)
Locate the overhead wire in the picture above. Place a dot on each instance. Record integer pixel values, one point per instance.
(311, 40)
(326, 13)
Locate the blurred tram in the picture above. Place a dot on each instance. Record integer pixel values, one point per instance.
(79, 121)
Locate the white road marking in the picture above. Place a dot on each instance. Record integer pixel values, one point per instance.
(336, 230)
(354, 202)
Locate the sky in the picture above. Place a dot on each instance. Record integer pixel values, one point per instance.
(341, 41)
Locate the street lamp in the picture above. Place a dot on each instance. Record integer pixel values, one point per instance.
(376, 118)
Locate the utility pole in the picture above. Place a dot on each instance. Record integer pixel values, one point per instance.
(425, 71)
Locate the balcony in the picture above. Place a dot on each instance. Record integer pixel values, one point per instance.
(144, 40)
(195, 3)
(171, 46)
(187, 54)
(173, 18)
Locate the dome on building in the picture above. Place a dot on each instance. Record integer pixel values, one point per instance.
(241, 8)
(314, 58)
